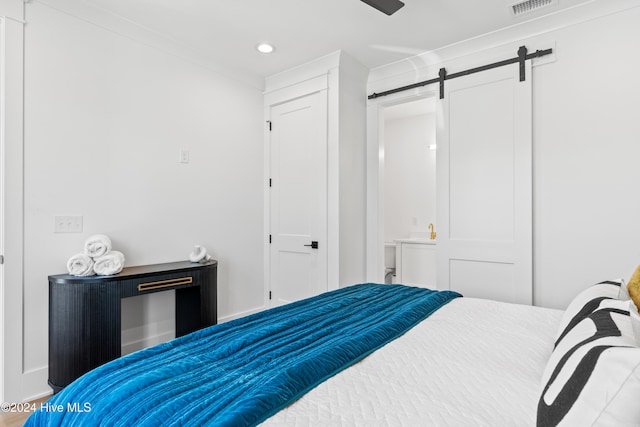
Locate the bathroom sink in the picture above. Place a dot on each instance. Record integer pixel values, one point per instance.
(420, 240)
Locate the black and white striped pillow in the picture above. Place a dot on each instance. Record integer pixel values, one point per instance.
(593, 375)
(586, 302)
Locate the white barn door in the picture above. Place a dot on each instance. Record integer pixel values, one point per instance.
(298, 199)
(484, 186)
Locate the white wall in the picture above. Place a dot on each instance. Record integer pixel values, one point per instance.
(586, 174)
(585, 138)
(352, 170)
(105, 118)
(409, 176)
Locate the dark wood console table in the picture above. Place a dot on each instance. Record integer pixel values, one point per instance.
(84, 312)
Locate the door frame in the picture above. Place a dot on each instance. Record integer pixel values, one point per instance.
(375, 176)
(319, 83)
(12, 375)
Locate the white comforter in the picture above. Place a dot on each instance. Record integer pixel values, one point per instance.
(472, 363)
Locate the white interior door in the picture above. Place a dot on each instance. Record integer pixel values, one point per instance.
(484, 186)
(298, 198)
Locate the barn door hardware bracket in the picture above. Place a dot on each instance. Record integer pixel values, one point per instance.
(442, 75)
(522, 56)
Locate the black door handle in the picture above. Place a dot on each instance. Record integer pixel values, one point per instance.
(313, 245)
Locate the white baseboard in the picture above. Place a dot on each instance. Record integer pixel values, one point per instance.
(34, 384)
(131, 346)
(241, 314)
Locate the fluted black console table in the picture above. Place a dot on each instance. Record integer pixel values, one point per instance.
(84, 312)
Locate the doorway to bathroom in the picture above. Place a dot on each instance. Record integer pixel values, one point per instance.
(483, 187)
(408, 191)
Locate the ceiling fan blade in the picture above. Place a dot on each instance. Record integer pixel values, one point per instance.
(385, 6)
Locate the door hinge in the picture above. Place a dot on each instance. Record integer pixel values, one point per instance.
(269, 121)
(269, 294)
(269, 238)
(1, 259)
(269, 182)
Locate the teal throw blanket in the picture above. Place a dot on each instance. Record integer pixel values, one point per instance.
(241, 372)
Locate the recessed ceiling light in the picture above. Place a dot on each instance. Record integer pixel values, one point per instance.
(265, 48)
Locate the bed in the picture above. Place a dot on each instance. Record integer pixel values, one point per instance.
(425, 358)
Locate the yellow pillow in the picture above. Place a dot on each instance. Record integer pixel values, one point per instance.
(634, 287)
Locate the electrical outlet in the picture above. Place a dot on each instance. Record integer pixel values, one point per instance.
(67, 224)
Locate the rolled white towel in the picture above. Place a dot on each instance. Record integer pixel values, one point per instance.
(199, 254)
(80, 265)
(97, 245)
(111, 263)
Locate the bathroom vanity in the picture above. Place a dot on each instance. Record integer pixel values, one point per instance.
(416, 262)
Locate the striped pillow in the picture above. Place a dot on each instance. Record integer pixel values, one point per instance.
(593, 375)
(585, 303)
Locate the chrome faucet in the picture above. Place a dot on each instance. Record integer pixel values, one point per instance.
(433, 233)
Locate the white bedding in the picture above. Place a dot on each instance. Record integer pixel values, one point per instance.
(472, 363)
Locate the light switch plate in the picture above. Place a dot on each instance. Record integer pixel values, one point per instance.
(67, 224)
(184, 156)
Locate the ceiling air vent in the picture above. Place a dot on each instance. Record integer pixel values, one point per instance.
(527, 6)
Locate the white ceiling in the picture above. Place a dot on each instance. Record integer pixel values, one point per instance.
(228, 31)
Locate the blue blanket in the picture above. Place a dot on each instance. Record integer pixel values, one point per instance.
(241, 372)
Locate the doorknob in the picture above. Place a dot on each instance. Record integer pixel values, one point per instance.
(313, 245)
